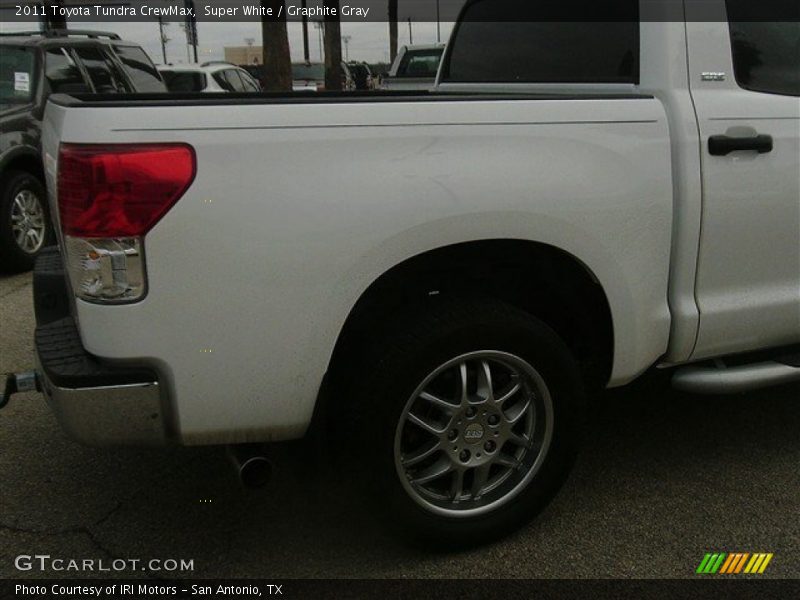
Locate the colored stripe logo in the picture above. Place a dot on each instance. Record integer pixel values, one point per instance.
(733, 563)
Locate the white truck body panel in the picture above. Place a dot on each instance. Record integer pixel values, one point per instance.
(264, 271)
(253, 273)
(748, 274)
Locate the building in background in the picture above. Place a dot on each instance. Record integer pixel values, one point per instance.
(243, 55)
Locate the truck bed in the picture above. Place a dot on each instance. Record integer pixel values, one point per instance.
(302, 201)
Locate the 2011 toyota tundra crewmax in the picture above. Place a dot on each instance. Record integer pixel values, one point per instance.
(574, 204)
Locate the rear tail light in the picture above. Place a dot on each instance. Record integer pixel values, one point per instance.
(109, 197)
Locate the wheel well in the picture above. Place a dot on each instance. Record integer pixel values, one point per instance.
(25, 162)
(540, 279)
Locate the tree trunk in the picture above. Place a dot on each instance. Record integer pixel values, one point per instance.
(333, 48)
(275, 42)
(55, 21)
(392, 30)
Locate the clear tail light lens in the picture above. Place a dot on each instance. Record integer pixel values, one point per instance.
(109, 197)
(106, 269)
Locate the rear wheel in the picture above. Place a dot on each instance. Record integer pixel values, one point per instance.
(24, 224)
(467, 420)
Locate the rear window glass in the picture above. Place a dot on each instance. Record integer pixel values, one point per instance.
(104, 75)
(140, 69)
(420, 63)
(250, 85)
(308, 71)
(235, 81)
(223, 82)
(62, 73)
(766, 56)
(16, 75)
(184, 81)
(541, 51)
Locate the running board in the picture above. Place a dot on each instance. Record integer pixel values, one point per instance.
(719, 379)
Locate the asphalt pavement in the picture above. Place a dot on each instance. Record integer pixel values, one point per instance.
(664, 477)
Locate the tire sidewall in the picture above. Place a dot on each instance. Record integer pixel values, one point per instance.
(13, 258)
(515, 333)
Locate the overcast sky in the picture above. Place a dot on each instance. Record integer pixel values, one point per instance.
(369, 41)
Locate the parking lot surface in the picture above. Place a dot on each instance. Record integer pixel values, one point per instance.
(664, 477)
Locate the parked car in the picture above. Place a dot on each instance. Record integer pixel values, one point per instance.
(576, 203)
(310, 77)
(34, 65)
(210, 77)
(257, 73)
(362, 76)
(414, 68)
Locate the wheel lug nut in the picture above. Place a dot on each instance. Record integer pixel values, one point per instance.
(464, 456)
(489, 446)
(453, 434)
(471, 412)
(493, 419)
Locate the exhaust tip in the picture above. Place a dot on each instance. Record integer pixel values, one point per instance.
(252, 466)
(255, 472)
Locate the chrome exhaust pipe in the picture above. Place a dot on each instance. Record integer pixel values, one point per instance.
(252, 466)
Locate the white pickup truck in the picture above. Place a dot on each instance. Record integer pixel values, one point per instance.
(543, 225)
(414, 68)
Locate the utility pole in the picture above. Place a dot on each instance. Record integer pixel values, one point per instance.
(346, 39)
(249, 42)
(392, 30)
(306, 52)
(164, 39)
(438, 24)
(191, 29)
(320, 28)
(410, 33)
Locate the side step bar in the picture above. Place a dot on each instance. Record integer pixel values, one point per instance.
(719, 379)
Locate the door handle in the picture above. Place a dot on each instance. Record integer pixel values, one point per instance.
(722, 145)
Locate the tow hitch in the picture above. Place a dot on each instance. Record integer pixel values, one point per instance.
(19, 383)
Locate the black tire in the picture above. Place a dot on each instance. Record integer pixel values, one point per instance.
(390, 371)
(13, 258)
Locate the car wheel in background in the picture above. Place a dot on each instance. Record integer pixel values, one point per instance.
(24, 224)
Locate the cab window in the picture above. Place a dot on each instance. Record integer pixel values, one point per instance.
(488, 48)
(766, 55)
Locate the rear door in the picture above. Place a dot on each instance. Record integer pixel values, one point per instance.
(745, 83)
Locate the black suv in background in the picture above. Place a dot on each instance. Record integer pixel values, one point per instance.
(34, 65)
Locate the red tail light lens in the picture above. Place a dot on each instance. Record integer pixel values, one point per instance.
(120, 190)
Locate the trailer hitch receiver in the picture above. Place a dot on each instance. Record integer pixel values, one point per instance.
(19, 383)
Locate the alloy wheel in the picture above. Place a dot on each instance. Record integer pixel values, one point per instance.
(28, 224)
(473, 434)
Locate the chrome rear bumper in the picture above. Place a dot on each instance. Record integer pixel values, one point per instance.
(109, 415)
(97, 402)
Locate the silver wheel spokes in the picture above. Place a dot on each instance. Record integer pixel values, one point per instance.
(28, 222)
(473, 432)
